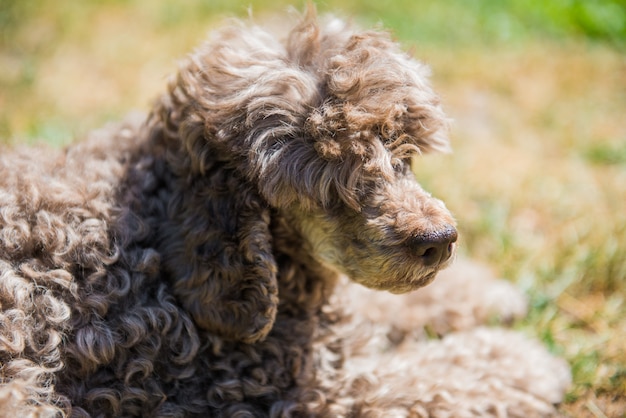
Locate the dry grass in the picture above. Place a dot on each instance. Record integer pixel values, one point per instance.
(537, 180)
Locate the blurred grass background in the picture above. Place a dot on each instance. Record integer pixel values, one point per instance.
(537, 90)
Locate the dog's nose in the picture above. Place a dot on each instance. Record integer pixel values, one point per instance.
(436, 247)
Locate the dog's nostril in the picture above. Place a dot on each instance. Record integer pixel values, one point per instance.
(431, 255)
(436, 247)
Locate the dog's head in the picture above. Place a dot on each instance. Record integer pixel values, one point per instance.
(356, 199)
(342, 172)
(326, 125)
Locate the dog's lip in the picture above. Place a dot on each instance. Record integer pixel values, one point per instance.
(411, 284)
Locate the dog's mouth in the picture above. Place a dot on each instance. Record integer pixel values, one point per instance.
(411, 284)
(397, 284)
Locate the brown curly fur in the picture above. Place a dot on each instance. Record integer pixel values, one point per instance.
(186, 265)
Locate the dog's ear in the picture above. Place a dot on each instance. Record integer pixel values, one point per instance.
(224, 269)
(234, 111)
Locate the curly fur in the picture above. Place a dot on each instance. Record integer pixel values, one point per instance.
(192, 263)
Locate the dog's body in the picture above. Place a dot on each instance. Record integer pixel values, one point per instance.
(192, 264)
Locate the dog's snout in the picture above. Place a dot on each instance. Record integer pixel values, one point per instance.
(436, 247)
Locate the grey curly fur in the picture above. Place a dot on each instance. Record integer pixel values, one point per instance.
(186, 265)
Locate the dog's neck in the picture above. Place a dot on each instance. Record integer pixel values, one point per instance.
(315, 281)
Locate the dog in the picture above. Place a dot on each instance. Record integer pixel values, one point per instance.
(247, 248)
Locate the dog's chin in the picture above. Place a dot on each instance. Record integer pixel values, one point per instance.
(411, 284)
(398, 285)
(418, 279)
(397, 282)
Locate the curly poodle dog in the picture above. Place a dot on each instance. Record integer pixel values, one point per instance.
(194, 263)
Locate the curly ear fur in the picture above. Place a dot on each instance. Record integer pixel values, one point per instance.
(223, 267)
(222, 262)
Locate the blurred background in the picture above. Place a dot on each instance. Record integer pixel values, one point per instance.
(537, 90)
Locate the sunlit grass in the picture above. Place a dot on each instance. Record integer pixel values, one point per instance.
(538, 93)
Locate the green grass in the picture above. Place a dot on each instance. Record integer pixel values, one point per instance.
(607, 154)
(537, 89)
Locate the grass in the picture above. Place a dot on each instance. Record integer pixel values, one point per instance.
(538, 93)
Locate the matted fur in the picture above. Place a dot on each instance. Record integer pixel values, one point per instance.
(192, 264)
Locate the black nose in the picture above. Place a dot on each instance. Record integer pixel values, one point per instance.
(435, 247)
